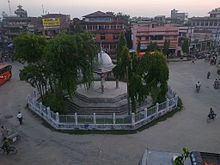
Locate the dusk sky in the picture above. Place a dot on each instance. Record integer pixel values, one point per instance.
(145, 8)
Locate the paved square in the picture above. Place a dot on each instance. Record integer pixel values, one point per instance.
(188, 128)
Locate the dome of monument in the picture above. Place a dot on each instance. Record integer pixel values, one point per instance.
(104, 63)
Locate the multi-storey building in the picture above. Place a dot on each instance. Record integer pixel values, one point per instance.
(106, 29)
(156, 34)
(12, 26)
(210, 23)
(52, 24)
(179, 18)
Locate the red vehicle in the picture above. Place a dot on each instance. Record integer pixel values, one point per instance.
(5, 73)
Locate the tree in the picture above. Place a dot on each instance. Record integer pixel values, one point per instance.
(121, 47)
(166, 47)
(74, 27)
(71, 61)
(185, 46)
(67, 60)
(156, 75)
(181, 159)
(153, 47)
(148, 77)
(29, 47)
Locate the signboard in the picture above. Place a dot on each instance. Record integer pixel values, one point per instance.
(51, 22)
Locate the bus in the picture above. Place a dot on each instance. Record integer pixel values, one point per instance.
(5, 73)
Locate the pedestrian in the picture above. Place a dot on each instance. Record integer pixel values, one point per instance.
(4, 132)
(208, 75)
(20, 117)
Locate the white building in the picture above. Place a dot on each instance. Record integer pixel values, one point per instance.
(211, 23)
(179, 18)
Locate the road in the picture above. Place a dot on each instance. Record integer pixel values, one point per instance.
(188, 128)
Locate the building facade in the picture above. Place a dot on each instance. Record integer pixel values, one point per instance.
(106, 29)
(52, 24)
(210, 23)
(156, 34)
(179, 18)
(12, 26)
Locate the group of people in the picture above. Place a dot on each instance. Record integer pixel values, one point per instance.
(211, 114)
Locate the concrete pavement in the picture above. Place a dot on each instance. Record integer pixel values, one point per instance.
(188, 128)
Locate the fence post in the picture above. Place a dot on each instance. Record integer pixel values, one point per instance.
(57, 117)
(48, 113)
(133, 118)
(145, 113)
(34, 93)
(157, 108)
(76, 119)
(167, 104)
(41, 107)
(94, 118)
(114, 120)
(176, 100)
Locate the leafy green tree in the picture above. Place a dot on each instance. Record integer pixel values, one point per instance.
(181, 159)
(148, 77)
(64, 62)
(185, 46)
(153, 47)
(29, 47)
(75, 28)
(166, 47)
(121, 47)
(71, 61)
(156, 76)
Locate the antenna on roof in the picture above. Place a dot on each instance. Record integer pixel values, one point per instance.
(9, 6)
(43, 8)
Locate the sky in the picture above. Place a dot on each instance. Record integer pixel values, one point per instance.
(144, 8)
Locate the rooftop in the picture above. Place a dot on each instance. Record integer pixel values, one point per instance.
(97, 14)
(153, 157)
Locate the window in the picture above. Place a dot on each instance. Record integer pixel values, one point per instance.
(113, 27)
(115, 36)
(102, 36)
(101, 27)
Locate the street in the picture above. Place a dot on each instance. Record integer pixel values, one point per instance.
(188, 128)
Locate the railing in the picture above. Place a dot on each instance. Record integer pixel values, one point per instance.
(102, 122)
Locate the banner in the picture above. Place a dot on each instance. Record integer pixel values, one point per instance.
(51, 22)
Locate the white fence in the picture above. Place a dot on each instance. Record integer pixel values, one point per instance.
(101, 122)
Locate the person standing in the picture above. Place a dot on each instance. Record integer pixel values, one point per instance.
(20, 117)
(208, 75)
(4, 131)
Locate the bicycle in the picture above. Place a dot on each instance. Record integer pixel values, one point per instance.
(9, 150)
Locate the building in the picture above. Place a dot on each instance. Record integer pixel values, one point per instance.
(179, 18)
(12, 26)
(160, 19)
(201, 40)
(106, 29)
(52, 24)
(156, 34)
(210, 23)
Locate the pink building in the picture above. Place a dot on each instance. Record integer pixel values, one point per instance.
(156, 34)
